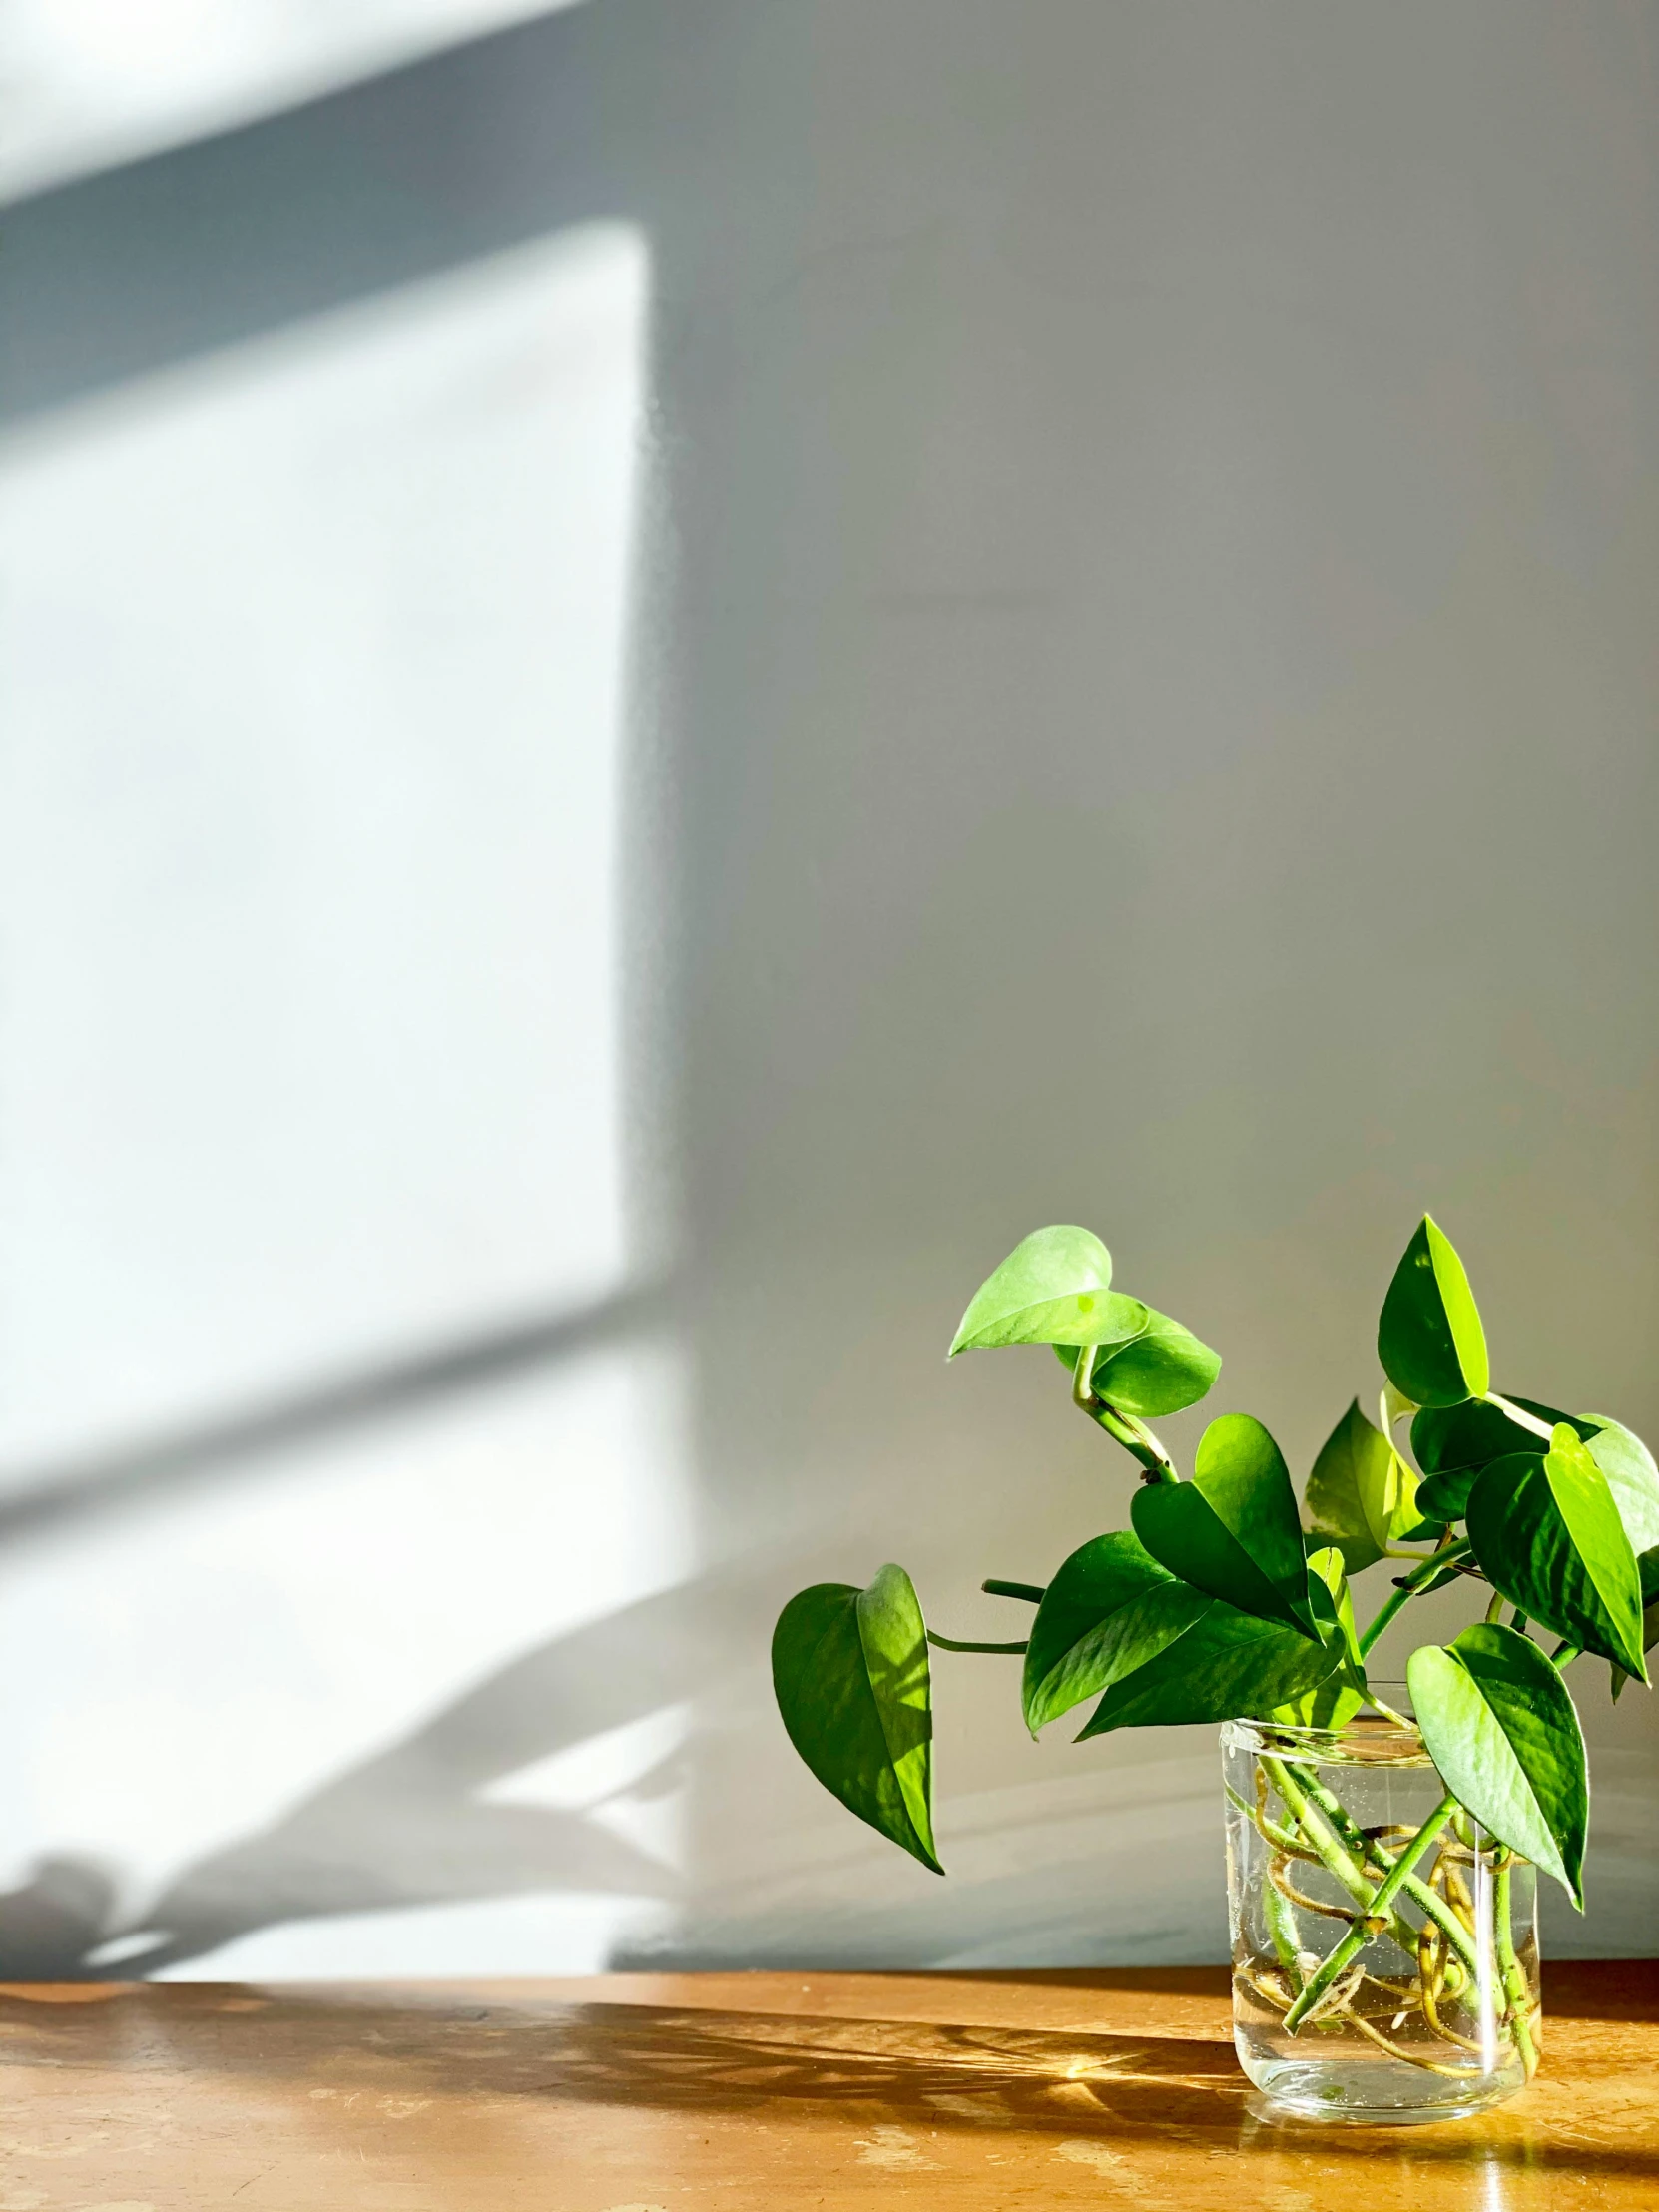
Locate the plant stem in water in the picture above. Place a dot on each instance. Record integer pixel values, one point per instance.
(1367, 1851)
(1376, 1919)
(1513, 1973)
(1279, 1915)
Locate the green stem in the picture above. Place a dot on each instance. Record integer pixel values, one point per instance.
(1283, 1933)
(1033, 1593)
(1513, 1973)
(1376, 1919)
(1136, 1439)
(1316, 1827)
(1389, 1712)
(1366, 1848)
(1133, 1434)
(1082, 1376)
(951, 1643)
(1352, 1874)
(1407, 1589)
(1496, 1609)
(1566, 1652)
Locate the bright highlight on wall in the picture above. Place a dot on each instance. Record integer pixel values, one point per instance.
(313, 876)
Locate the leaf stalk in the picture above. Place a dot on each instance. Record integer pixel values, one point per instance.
(953, 1643)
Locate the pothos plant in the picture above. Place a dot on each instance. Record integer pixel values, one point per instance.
(1223, 1600)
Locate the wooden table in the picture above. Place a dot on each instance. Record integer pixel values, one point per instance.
(745, 2091)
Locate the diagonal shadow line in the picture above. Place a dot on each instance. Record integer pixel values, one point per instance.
(394, 178)
(38, 1500)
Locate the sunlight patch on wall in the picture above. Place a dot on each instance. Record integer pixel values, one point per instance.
(308, 849)
(85, 84)
(314, 876)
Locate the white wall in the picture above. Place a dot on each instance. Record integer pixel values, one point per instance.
(1134, 532)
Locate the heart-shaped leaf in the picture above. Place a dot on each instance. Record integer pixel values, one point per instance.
(1227, 1666)
(850, 1670)
(1234, 1529)
(1631, 1477)
(1354, 1491)
(1501, 1727)
(1108, 1611)
(1054, 1288)
(1548, 1536)
(1162, 1371)
(1430, 1340)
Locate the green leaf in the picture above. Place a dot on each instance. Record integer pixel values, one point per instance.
(1501, 1727)
(1547, 1535)
(1648, 1563)
(1354, 1491)
(1227, 1666)
(1053, 1289)
(1631, 1477)
(1108, 1611)
(1332, 1705)
(1407, 1523)
(1448, 1439)
(1342, 1694)
(850, 1670)
(1234, 1529)
(1430, 1340)
(1457, 1442)
(1453, 1444)
(1332, 1604)
(1445, 1498)
(1162, 1371)
(1396, 1407)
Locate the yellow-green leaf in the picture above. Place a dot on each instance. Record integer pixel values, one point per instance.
(1054, 1288)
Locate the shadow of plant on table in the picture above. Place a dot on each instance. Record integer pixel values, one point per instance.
(445, 2048)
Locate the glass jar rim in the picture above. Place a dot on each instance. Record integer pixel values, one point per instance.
(1369, 1738)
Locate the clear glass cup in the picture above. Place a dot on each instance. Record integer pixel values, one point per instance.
(1432, 2008)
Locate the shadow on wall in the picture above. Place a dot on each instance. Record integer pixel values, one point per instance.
(410, 1826)
(413, 1826)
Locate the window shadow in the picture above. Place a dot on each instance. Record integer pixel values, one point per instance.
(39, 1501)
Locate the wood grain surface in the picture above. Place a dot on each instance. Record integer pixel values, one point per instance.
(644, 2094)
